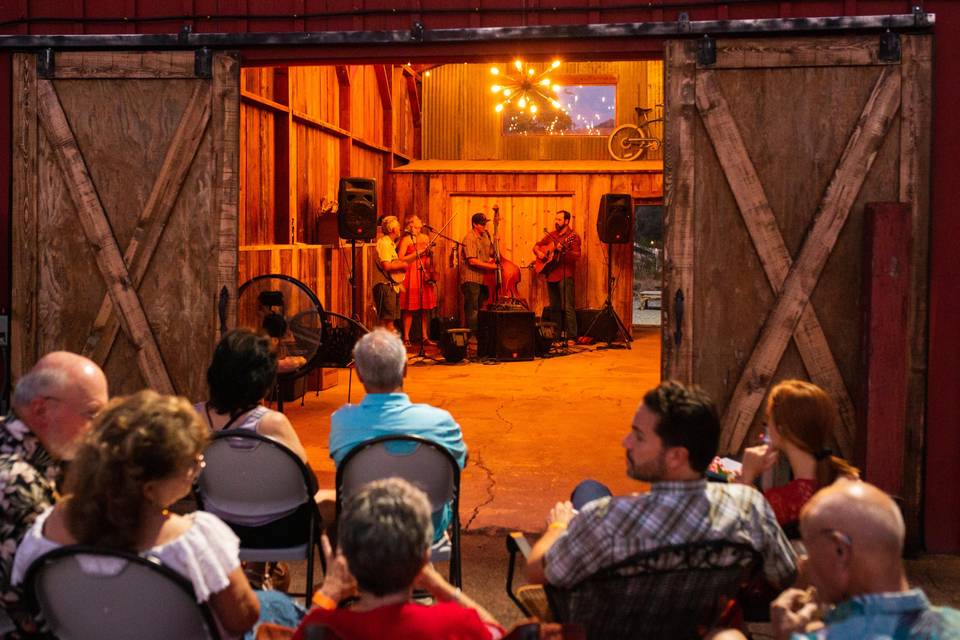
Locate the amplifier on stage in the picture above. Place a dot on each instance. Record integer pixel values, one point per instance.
(507, 335)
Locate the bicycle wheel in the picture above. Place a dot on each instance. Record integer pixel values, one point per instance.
(625, 142)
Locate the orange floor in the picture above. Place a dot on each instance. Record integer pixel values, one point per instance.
(533, 429)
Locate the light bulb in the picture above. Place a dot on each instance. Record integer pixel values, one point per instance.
(533, 108)
(506, 92)
(498, 108)
(495, 88)
(426, 73)
(530, 71)
(555, 88)
(495, 71)
(555, 64)
(555, 103)
(522, 103)
(518, 65)
(545, 82)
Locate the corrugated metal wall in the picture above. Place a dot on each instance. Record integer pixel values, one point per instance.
(460, 122)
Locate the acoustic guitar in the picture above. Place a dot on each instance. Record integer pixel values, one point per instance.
(551, 257)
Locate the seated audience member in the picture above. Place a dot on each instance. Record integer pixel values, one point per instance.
(142, 455)
(800, 421)
(383, 554)
(242, 373)
(674, 436)
(854, 535)
(381, 362)
(53, 405)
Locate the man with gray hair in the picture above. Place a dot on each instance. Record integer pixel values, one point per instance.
(383, 554)
(381, 362)
(854, 534)
(53, 406)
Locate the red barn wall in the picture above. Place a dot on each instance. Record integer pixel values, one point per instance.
(942, 531)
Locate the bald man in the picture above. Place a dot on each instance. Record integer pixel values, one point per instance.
(53, 405)
(854, 535)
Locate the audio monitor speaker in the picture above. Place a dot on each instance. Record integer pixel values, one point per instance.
(357, 209)
(453, 344)
(601, 329)
(507, 335)
(615, 218)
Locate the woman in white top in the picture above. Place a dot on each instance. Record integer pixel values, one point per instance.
(141, 456)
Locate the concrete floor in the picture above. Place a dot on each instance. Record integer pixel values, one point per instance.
(533, 429)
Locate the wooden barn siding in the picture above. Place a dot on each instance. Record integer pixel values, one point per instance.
(460, 122)
(527, 203)
(310, 109)
(943, 414)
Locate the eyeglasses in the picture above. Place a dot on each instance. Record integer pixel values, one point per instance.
(198, 465)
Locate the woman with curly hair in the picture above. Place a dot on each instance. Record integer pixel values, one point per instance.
(800, 420)
(141, 456)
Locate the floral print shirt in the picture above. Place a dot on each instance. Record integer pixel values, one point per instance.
(28, 478)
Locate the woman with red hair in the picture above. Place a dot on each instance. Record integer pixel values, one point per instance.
(800, 419)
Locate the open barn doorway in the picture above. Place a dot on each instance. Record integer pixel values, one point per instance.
(443, 142)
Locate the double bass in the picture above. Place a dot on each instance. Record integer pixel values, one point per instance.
(502, 282)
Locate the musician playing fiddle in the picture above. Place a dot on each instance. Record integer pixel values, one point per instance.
(419, 293)
(479, 260)
(557, 254)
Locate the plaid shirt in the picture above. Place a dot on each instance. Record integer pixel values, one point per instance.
(478, 247)
(610, 530)
(28, 477)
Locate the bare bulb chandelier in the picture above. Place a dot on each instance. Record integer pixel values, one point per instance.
(522, 87)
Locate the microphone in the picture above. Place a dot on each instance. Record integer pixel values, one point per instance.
(428, 227)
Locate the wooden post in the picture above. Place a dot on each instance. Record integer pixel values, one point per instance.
(886, 290)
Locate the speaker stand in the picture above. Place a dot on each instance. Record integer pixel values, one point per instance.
(607, 310)
(353, 280)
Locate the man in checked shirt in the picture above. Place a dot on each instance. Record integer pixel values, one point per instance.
(674, 436)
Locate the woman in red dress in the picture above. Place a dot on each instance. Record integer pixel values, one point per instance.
(419, 290)
(800, 421)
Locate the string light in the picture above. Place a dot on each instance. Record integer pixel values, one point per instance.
(525, 88)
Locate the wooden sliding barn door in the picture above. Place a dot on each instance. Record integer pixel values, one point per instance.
(773, 150)
(125, 212)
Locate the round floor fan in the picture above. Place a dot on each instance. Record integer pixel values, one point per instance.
(288, 311)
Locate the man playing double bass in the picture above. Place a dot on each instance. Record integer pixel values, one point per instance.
(557, 254)
(479, 261)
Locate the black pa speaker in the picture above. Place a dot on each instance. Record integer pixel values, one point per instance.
(506, 335)
(453, 344)
(357, 209)
(615, 218)
(593, 324)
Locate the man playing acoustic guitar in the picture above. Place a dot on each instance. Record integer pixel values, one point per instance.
(557, 254)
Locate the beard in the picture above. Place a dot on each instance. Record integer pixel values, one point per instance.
(651, 471)
(560, 226)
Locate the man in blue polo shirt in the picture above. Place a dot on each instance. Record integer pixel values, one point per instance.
(381, 362)
(854, 536)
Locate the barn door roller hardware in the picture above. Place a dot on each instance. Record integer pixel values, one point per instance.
(890, 47)
(706, 51)
(45, 63)
(203, 63)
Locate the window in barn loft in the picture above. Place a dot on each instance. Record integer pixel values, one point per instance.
(569, 110)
